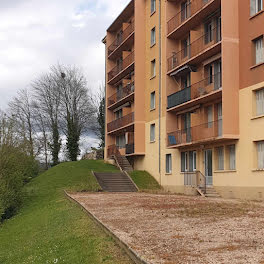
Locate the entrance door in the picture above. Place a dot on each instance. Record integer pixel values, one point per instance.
(208, 164)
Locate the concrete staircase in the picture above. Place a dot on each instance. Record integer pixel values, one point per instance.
(123, 163)
(210, 192)
(115, 182)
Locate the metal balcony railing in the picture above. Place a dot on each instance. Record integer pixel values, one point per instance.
(130, 149)
(123, 64)
(194, 134)
(119, 40)
(120, 122)
(205, 41)
(113, 151)
(204, 87)
(126, 91)
(188, 10)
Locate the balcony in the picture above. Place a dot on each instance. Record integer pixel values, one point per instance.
(199, 50)
(126, 41)
(114, 150)
(206, 132)
(205, 90)
(122, 96)
(121, 123)
(190, 16)
(121, 70)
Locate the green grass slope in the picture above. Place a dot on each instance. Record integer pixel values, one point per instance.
(51, 229)
(144, 180)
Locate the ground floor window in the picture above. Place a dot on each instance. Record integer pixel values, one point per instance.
(232, 157)
(168, 163)
(121, 141)
(220, 157)
(188, 161)
(260, 146)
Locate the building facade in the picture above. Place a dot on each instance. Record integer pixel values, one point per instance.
(185, 93)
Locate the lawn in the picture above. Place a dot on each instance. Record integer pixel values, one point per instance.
(51, 229)
(144, 181)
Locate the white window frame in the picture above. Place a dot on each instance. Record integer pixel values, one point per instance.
(260, 102)
(152, 101)
(259, 50)
(168, 163)
(260, 151)
(153, 36)
(232, 157)
(152, 6)
(152, 133)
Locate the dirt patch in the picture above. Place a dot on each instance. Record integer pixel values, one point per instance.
(173, 229)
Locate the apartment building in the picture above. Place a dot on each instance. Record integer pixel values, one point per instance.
(185, 93)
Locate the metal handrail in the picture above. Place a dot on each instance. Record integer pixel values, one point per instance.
(196, 90)
(195, 179)
(117, 42)
(127, 90)
(120, 122)
(184, 14)
(129, 59)
(196, 133)
(205, 41)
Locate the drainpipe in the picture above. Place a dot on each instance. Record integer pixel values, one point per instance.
(160, 72)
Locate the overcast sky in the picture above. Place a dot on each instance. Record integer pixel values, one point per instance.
(35, 34)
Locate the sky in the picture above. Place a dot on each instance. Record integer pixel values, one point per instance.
(35, 34)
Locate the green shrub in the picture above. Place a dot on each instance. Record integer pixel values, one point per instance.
(16, 168)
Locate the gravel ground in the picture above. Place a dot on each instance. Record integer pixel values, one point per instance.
(180, 229)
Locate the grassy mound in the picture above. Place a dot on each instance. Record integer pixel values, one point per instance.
(51, 229)
(144, 180)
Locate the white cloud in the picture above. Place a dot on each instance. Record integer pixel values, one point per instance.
(35, 34)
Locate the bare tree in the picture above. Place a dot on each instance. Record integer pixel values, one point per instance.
(47, 98)
(21, 111)
(77, 109)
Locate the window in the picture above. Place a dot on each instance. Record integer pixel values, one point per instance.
(260, 102)
(152, 132)
(185, 10)
(153, 68)
(188, 161)
(210, 116)
(118, 114)
(152, 101)
(255, 6)
(186, 47)
(121, 141)
(259, 50)
(153, 6)
(186, 81)
(232, 157)
(153, 36)
(208, 29)
(260, 146)
(168, 163)
(220, 156)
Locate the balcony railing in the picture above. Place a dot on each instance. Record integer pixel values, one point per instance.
(120, 122)
(113, 151)
(205, 41)
(194, 134)
(189, 10)
(124, 64)
(118, 41)
(126, 91)
(130, 149)
(202, 88)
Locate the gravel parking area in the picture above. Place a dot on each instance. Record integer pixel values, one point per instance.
(179, 229)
